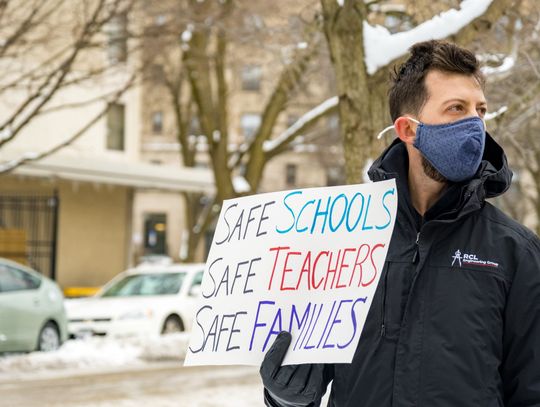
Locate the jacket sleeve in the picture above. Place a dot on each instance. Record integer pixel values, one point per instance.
(520, 369)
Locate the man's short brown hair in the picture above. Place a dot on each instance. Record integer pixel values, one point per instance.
(408, 92)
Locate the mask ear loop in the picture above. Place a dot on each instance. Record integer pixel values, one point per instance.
(387, 129)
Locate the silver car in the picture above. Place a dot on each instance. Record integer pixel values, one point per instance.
(32, 314)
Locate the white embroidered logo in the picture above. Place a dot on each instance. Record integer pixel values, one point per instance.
(471, 259)
(457, 256)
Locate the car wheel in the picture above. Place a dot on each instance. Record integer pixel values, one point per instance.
(49, 338)
(172, 324)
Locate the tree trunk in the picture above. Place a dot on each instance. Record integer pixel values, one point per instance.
(344, 33)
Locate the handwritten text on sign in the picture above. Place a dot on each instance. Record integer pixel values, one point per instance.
(306, 261)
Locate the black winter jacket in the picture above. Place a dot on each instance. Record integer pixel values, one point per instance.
(455, 321)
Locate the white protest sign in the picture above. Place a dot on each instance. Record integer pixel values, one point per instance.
(306, 261)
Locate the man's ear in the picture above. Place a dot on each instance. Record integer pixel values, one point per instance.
(405, 129)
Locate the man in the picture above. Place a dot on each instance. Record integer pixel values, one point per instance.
(455, 320)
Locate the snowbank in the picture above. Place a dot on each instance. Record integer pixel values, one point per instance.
(92, 354)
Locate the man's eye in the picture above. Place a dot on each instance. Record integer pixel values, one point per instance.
(482, 111)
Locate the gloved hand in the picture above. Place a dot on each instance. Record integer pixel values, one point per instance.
(292, 385)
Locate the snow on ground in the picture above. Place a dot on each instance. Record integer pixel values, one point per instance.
(103, 372)
(95, 354)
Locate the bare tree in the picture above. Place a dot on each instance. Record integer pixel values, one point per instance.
(202, 44)
(47, 46)
(516, 94)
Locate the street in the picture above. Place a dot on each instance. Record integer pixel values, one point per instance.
(161, 385)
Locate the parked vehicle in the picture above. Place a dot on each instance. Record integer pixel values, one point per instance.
(32, 314)
(151, 299)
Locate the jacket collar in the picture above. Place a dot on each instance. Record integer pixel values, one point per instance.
(492, 179)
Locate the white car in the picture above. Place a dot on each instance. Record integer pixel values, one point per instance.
(147, 300)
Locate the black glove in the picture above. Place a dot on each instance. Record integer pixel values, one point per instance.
(292, 385)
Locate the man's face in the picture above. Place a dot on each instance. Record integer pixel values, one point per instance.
(451, 97)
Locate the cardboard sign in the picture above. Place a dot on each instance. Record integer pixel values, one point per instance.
(305, 261)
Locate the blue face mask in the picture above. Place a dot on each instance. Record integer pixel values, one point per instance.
(454, 149)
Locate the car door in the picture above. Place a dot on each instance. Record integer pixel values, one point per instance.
(20, 312)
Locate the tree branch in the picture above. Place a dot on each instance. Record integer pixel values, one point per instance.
(10, 166)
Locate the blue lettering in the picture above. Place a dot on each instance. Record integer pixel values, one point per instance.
(389, 192)
(326, 326)
(332, 228)
(277, 319)
(349, 227)
(334, 322)
(290, 210)
(364, 227)
(257, 325)
(308, 346)
(318, 213)
(300, 214)
(353, 317)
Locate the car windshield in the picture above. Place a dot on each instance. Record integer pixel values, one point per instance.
(146, 284)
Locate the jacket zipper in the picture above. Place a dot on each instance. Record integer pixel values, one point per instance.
(383, 307)
(415, 259)
(416, 249)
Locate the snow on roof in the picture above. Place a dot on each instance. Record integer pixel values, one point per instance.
(381, 47)
(84, 168)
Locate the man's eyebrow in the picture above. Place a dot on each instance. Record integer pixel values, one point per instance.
(482, 102)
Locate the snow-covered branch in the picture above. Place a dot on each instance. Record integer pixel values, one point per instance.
(381, 47)
(508, 61)
(301, 125)
(493, 115)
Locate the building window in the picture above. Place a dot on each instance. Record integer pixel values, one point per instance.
(290, 175)
(251, 77)
(157, 122)
(155, 233)
(250, 122)
(117, 35)
(115, 126)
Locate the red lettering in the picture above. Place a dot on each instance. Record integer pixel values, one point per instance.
(380, 245)
(306, 269)
(342, 266)
(358, 264)
(331, 270)
(287, 270)
(316, 286)
(277, 250)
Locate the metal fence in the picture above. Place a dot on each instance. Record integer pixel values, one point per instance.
(36, 216)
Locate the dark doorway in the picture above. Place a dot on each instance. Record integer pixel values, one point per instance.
(155, 233)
